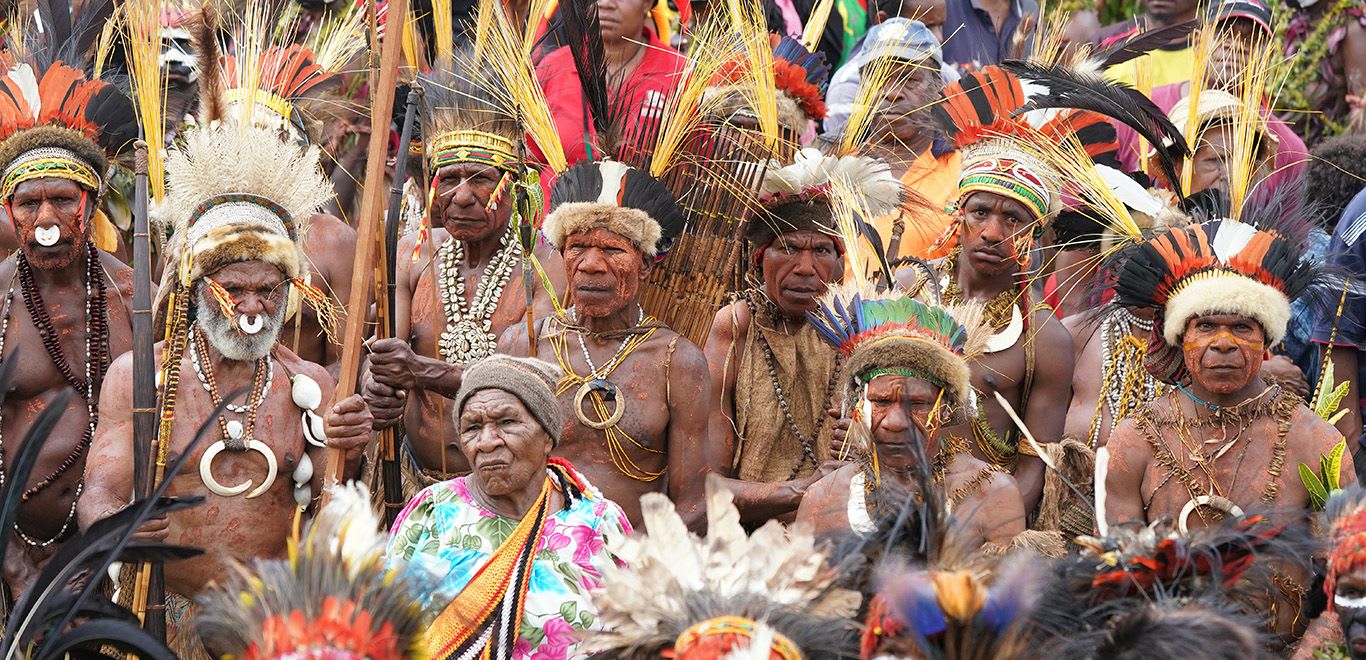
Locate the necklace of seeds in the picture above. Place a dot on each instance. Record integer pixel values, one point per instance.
(204, 380)
(808, 442)
(96, 350)
(236, 435)
(468, 335)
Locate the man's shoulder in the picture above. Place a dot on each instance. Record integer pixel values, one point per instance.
(296, 365)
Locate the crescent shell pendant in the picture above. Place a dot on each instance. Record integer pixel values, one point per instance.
(1212, 501)
(206, 470)
(618, 409)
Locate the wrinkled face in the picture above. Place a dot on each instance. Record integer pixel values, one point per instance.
(461, 203)
(913, 89)
(1167, 10)
(622, 20)
(50, 217)
(604, 270)
(798, 267)
(259, 292)
(1214, 156)
(505, 445)
(900, 409)
(1349, 601)
(1223, 352)
(997, 233)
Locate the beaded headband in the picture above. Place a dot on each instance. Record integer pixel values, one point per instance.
(238, 208)
(48, 162)
(868, 376)
(1008, 177)
(470, 146)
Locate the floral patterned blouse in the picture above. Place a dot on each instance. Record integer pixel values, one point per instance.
(446, 533)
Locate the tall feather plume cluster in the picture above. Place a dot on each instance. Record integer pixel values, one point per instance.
(848, 315)
(583, 37)
(513, 81)
(1248, 123)
(333, 591)
(244, 159)
(811, 174)
(714, 50)
(669, 579)
(65, 36)
(746, 19)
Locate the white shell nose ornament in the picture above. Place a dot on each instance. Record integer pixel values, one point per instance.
(47, 236)
(251, 323)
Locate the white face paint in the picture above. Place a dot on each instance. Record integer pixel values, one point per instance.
(47, 236)
(1349, 602)
(251, 323)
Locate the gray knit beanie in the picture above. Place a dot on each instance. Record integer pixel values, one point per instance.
(530, 380)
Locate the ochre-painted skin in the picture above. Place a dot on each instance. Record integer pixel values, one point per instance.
(903, 413)
(411, 363)
(228, 528)
(36, 379)
(1135, 476)
(798, 267)
(996, 235)
(1223, 352)
(665, 411)
(45, 203)
(331, 252)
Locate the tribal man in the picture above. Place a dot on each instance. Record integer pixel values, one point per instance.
(66, 310)
(905, 379)
(1217, 444)
(236, 193)
(635, 393)
(1005, 197)
(462, 283)
(775, 376)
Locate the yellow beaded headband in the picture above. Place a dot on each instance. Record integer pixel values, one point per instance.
(48, 162)
(471, 146)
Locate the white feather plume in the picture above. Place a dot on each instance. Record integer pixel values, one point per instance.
(812, 174)
(23, 77)
(1131, 192)
(1233, 236)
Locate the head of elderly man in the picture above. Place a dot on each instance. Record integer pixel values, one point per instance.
(509, 420)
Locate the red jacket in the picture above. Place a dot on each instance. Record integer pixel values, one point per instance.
(647, 89)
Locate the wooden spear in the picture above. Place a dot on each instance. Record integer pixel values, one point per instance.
(391, 475)
(144, 385)
(367, 231)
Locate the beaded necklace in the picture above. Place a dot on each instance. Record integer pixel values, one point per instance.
(1273, 402)
(1125, 384)
(603, 392)
(96, 352)
(808, 443)
(468, 335)
(236, 434)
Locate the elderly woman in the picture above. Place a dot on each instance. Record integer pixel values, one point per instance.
(517, 544)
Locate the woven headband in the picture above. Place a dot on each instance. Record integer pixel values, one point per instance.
(1009, 178)
(470, 146)
(47, 162)
(238, 208)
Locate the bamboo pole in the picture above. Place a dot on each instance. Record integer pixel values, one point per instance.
(381, 110)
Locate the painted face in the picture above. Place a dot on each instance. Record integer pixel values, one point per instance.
(798, 267)
(899, 412)
(505, 445)
(1223, 352)
(622, 19)
(997, 233)
(1349, 601)
(1213, 157)
(259, 292)
(913, 88)
(604, 270)
(461, 203)
(50, 217)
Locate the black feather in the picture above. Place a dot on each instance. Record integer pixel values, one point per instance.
(1070, 89)
(120, 634)
(583, 37)
(875, 240)
(1142, 43)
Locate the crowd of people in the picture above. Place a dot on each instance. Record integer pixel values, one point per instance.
(698, 330)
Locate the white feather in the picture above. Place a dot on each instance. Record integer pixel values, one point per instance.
(1233, 236)
(1102, 472)
(27, 82)
(1134, 195)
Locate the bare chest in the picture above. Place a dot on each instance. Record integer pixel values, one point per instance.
(496, 299)
(618, 406)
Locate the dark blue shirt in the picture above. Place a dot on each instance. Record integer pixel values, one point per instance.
(970, 38)
(1347, 252)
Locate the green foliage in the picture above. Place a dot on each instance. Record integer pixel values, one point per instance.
(1320, 486)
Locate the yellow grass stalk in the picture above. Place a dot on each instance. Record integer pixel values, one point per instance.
(1202, 48)
(688, 108)
(523, 94)
(442, 25)
(849, 207)
(749, 27)
(143, 50)
(815, 24)
(1250, 86)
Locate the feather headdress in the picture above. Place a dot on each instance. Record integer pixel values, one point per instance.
(1346, 509)
(800, 79)
(333, 596)
(704, 598)
(54, 120)
(895, 333)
